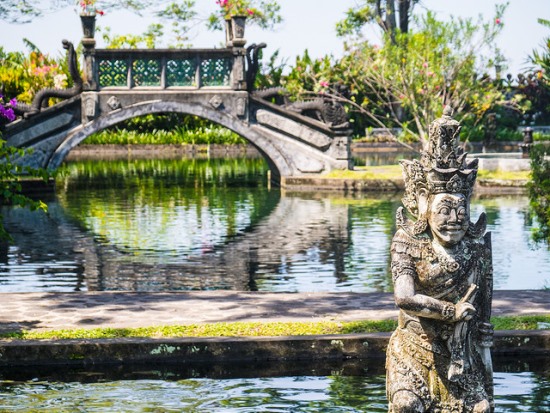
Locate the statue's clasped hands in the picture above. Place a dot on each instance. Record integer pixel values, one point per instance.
(464, 310)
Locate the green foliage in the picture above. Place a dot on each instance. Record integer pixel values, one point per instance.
(166, 129)
(407, 81)
(178, 15)
(525, 322)
(384, 13)
(147, 40)
(542, 58)
(22, 76)
(254, 329)
(237, 329)
(539, 191)
(24, 11)
(535, 86)
(180, 136)
(181, 16)
(10, 182)
(270, 74)
(263, 13)
(309, 75)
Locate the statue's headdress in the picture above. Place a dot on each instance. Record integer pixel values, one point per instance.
(442, 167)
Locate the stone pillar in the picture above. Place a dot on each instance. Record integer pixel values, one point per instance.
(238, 81)
(527, 142)
(88, 44)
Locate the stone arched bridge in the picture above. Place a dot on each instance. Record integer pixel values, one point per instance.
(209, 83)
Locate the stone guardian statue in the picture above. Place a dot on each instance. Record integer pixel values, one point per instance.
(438, 358)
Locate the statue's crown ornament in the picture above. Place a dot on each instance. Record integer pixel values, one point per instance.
(442, 166)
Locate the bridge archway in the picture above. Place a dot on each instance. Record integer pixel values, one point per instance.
(214, 84)
(276, 160)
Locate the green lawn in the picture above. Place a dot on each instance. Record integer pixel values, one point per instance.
(256, 329)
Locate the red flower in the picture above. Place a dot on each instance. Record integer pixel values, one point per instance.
(498, 21)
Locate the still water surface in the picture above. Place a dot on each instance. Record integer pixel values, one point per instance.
(330, 389)
(202, 224)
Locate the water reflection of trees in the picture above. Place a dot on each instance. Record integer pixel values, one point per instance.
(157, 225)
(261, 241)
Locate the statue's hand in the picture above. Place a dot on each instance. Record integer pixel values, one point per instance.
(464, 311)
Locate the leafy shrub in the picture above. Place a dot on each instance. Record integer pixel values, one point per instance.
(539, 191)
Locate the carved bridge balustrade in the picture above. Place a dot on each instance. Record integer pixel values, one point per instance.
(165, 69)
(213, 84)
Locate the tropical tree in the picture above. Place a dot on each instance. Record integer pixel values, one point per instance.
(24, 11)
(11, 189)
(535, 86)
(179, 15)
(539, 191)
(408, 80)
(264, 13)
(391, 15)
(22, 75)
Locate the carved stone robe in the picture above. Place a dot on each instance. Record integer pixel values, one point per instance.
(422, 350)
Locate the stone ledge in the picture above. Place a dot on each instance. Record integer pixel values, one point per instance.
(230, 349)
(318, 183)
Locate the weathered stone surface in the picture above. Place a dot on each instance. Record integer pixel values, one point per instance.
(191, 349)
(49, 125)
(90, 106)
(504, 164)
(319, 349)
(293, 129)
(293, 145)
(438, 358)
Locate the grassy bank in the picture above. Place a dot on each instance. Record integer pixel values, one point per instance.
(394, 172)
(255, 329)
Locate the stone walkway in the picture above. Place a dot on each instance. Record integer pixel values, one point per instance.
(122, 309)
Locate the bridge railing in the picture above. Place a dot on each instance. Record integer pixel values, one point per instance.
(168, 68)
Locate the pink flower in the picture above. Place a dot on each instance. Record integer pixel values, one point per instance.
(250, 12)
(323, 83)
(436, 87)
(430, 74)
(498, 21)
(425, 64)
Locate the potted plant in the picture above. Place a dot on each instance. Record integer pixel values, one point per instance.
(88, 12)
(235, 13)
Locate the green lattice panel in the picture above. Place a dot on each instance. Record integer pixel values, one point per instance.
(181, 72)
(215, 72)
(113, 72)
(146, 72)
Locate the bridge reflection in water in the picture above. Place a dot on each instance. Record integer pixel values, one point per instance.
(159, 225)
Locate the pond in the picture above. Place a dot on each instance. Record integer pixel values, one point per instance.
(521, 385)
(205, 224)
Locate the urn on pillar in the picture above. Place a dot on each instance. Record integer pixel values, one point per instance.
(238, 24)
(88, 25)
(228, 33)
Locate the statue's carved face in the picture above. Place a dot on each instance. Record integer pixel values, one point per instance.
(449, 217)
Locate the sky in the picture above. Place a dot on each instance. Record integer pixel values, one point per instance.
(308, 24)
